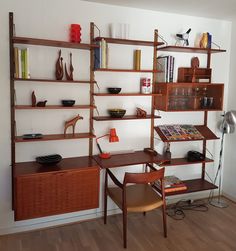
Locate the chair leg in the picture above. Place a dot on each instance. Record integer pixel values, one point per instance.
(105, 200)
(164, 220)
(125, 228)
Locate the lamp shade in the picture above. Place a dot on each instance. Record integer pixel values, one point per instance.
(230, 117)
(113, 136)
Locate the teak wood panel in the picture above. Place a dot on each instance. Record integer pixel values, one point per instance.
(53, 193)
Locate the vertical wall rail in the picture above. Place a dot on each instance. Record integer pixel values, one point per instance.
(12, 100)
(91, 129)
(154, 89)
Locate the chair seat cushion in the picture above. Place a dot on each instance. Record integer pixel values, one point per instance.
(139, 197)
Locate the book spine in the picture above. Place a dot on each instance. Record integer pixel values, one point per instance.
(27, 64)
(19, 63)
(103, 54)
(97, 58)
(16, 63)
(23, 62)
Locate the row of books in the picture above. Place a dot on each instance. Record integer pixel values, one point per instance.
(101, 55)
(21, 63)
(172, 184)
(165, 64)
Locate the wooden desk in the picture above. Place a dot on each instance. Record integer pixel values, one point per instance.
(128, 159)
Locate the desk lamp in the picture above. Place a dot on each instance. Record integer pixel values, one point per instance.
(227, 126)
(112, 138)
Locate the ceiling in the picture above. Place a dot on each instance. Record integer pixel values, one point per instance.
(204, 8)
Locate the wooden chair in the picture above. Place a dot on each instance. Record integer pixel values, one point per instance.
(138, 197)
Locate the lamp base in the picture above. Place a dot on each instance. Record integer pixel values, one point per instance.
(219, 203)
(105, 155)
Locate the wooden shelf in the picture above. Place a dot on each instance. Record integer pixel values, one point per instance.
(128, 41)
(56, 137)
(53, 43)
(125, 70)
(173, 48)
(128, 117)
(126, 94)
(32, 167)
(184, 161)
(50, 107)
(195, 185)
(204, 130)
(53, 80)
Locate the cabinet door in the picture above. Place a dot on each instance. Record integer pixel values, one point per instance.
(56, 193)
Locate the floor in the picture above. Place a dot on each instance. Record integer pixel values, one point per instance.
(202, 231)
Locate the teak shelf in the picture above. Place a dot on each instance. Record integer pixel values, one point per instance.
(204, 130)
(126, 70)
(52, 80)
(51, 107)
(53, 43)
(127, 117)
(128, 41)
(127, 94)
(56, 137)
(188, 49)
(195, 185)
(184, 161)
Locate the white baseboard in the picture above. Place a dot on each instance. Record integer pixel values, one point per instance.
(49, 223)
(232, 198)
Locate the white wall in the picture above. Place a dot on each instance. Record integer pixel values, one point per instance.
(229, 174)
(45, 19)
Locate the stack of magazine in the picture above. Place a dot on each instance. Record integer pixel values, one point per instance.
(165, 64)
(172, 184)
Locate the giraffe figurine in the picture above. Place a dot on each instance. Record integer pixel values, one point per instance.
(71, 123)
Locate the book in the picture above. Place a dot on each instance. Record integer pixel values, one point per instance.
(97, 56)
(180, 132)
(104, 54)
(19, 63)
(16, 63)
(165, 64)
(172, 184)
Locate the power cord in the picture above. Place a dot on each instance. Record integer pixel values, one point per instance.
(176, 211)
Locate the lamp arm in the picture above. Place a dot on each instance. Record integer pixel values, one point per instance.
(99, 147)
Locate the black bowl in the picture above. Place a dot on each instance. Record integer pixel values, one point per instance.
(49, 159)
(68, 102)
(114, 90)
(117, 113)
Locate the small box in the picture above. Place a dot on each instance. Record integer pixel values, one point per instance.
(145, 85)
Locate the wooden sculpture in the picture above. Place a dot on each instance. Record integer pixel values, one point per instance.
(141, 113)
(33, 99)
(69, 76)
(194, 65)
(72, 123)
(59, 67)
(42, 103)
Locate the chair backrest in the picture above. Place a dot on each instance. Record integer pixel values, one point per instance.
(144, 178)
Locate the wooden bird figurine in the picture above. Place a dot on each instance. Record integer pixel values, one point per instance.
(184, 37)
(59, 67)
(141, 113)
(69, 76)
(71, 123)
(42, 103)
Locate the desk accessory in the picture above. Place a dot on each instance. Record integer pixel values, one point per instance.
(112, 138)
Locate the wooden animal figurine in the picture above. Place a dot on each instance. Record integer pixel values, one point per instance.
(69, 76)
(33, 99)
(141, 113)
(194, 65)
(42, 103)
(72, 123)
(59, 67)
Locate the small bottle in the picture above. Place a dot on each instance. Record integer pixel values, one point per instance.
(167, 152)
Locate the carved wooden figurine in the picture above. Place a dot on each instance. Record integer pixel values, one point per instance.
(33, 99)
(194, 65)
(59, 67)
(72, 123)
(42, 103)
(141, 113)
(69, 76)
